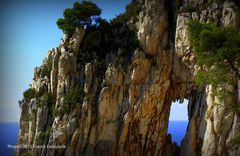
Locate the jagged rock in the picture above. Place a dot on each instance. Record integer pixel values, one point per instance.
(76, 40)
(209, 124)
(59, 136)
(182, 43)
(64, 64)
(114, 76)
(32, 121)
(54, 71)
(171, 149)
(67, 66)
(141, 68)
(88, 77)
(128, 109)
(230, 14)
(109, 111)
(152, 21)
(23, 136)
(70, 127)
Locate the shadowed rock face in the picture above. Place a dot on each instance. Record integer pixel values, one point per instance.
(127, 111)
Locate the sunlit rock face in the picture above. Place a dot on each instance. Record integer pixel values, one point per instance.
(127, 111)
(211, 127)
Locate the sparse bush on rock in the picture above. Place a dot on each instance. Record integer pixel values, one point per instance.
(217, 50)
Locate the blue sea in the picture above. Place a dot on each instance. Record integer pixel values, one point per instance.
(9, 132)
(8, 136)
(177, 129)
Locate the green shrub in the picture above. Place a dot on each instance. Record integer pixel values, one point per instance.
(48, 98)
(46, 133)
(235, 141)
(30, 94)
(55, 112)
(189, 8)
(216, 46)
(33, 130)
(101, 37)
(93, 38)
(32, 115)
(217, 49)
(92, 46)
(46, 71)
(132, 10)
(72, 98)
(120, 19)
(81, 15)
(34, 111)
(49, 131)
(88, 96)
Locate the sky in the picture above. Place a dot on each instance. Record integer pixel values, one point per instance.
(179, 111)
(28, 31)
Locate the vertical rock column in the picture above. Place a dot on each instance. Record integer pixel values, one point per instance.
(212, 128)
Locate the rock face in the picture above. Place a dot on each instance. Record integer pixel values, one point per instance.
(126, 111)
(211, 128)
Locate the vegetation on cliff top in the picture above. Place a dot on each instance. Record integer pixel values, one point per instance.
(132, 11)
(101, 36)
(86, 14)
(217, 51)
(82, 14)
(30, 94)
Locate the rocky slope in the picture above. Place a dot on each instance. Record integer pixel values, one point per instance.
(126, 111)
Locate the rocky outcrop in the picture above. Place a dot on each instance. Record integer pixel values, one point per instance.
(126, 110)
(210, 126)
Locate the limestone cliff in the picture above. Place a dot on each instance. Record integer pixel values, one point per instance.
(126, 110)
(211, 128)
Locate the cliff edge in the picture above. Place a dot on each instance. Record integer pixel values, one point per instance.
(121, 106)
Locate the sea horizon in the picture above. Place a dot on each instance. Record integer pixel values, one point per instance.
(9, 134)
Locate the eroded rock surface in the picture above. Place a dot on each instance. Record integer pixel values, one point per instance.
(211, 126)
(126, 111)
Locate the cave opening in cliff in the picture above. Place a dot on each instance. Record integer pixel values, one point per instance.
(178, 120)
